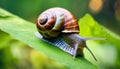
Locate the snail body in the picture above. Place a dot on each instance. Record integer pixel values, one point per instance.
(58, 22)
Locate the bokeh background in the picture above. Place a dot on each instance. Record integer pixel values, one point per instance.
(17, 55)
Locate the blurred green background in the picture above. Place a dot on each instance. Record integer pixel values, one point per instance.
(16, 55)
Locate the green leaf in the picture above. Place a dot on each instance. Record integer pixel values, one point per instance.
(4, 40)
(25, 31)
(91, 28)
(102, 49)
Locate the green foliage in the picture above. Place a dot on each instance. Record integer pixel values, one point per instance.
(90, 28)
(15, 54)
(31, 9)
(25, 31)
(106, 51)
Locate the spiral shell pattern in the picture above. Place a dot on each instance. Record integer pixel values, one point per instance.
(55, 21)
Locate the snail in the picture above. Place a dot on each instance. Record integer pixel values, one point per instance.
(59, 27)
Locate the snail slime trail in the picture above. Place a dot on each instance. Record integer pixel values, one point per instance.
(60, 28)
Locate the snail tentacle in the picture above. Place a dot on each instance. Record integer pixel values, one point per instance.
(60, 27)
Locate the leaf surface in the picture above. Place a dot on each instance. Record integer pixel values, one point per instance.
(24, 31)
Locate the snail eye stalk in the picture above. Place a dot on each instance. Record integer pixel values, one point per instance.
(54, 23)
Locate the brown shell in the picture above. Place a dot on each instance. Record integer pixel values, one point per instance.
(54, 21)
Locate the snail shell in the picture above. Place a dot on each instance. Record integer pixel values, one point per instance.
(62, 25)
(55, 21)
